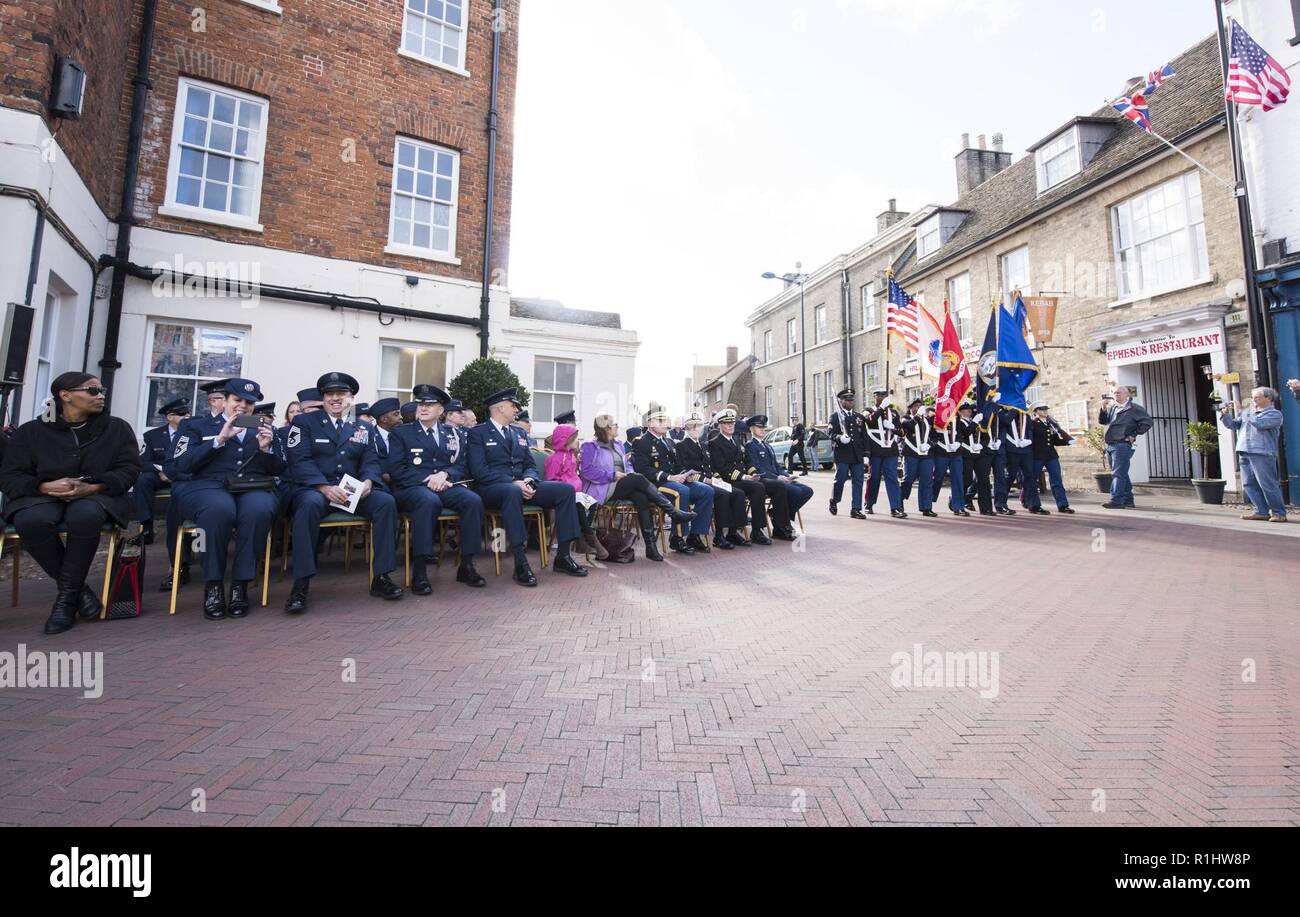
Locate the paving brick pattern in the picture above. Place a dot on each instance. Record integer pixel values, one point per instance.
(745, 689)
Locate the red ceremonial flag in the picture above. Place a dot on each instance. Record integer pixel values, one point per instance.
(954, 377)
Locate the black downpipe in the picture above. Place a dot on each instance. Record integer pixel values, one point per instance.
(109, 365)
(244, 289)
(485, 302)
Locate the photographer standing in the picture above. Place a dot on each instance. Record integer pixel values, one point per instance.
(1125, 420)
(1257, 453)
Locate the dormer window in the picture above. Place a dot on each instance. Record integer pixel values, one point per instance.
(935, 232)
(1058, 160)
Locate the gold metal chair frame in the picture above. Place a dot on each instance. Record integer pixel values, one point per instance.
(12, 535)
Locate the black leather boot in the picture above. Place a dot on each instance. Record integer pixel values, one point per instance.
(64, 613)
(88, 606)
(651, 548)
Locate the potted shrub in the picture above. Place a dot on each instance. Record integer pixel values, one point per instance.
(1203, 439)
(1095, 439)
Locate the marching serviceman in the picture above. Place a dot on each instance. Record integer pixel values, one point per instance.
(883, 426)
(849, 441)
(655, 457)
(1047, 435)
(991, 461)
(729, 510)
(762, 457)
(968, 432)
(918, 465)
(506, 478)
(158, 444)
(230, 471)
(323, 447)
(1018, 454)
(946, 450)
(428, 462)
(729, 464)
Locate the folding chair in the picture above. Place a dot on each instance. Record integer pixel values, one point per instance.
(11, 534)
(188, 527)
(339, 520)
(535, 513)
(445, 520)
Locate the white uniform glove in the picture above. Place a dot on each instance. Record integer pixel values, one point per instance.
(844, 438)
(997, 396)
(995, 444)
(887, 424)
(887, 403)
(979, 417)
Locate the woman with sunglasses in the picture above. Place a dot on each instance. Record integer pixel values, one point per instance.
(71, 467)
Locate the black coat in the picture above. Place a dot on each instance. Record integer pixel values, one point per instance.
(104, 451)
(728, 457)
(1047, 436)
(854, 426)
(656, 459)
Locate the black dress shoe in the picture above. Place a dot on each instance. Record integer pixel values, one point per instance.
(857, 514)
(381, 587)
(698, 543)
(835, 509)
(1003, 511)
(929, 514)
(88, 604)
(739, 540)
(296, 604)
(785, 535)
(680, 516)
(1066, 510)
(898, 514)
(166, 585)
(469, 576)
(238, 600)
(567, 564)
(987, 512)
(960, 512)
(1039, 511)
(524, 575)
(759, 538)
(64, 613)
(680, 545)
(723, 544)
(421, 586)
(214, 601)
(870, 511)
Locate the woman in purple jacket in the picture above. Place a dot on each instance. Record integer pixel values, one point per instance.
(607, 475)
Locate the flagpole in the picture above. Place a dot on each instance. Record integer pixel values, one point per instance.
(889, 344)
(1223, 181)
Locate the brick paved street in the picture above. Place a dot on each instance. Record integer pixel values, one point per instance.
(683, 695)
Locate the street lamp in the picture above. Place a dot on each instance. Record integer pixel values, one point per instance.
(800, 279)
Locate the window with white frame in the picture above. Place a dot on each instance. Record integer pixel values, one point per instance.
(791, 337)
(821, 330)
(769, 404)
(870, 380)
(870, 314)
(767, 347)
(792, 398)
(829, 381)
(45, 355)
(434, 31)
(959, 305)
(1015, 271)
(819, 398)
(426, 181)
(1058, 160)
(1076, 417)
(555, 388)
(404, 366)
(182, 357)
(217, 152)
(928, 237)
(1160, 237)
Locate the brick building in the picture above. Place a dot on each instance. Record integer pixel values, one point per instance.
(1141, 248)
(801, 361)
(312, 194)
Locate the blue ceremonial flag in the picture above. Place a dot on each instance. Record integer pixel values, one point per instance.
(1017, 368)
(986, 374)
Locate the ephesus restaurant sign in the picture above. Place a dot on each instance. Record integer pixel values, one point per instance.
(1164, 348)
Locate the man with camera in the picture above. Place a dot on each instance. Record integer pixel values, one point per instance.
(1125, 420)
(1257, 429)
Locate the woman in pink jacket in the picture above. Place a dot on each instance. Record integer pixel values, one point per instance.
(562, 465)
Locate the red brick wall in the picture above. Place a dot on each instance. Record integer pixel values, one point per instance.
(331, 72)
(95, 33)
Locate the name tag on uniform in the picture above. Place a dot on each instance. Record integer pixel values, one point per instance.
(208, 439)
(491, 442)
(322, 440)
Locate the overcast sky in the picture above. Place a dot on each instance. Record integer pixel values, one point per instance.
(669, 153)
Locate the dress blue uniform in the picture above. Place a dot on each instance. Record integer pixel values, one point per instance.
(918, 464)
(321, 451)
(157, 450)
(762, 458)
(205, 498)
(416, 452)
(1018, 458)
(946, 449)
(851, 456)
(883, 425)
(656, 459)
(498, 458)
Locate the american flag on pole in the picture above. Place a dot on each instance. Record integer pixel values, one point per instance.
(902, 316)
(1134, 108)
(1254, 77)
(1156, 77)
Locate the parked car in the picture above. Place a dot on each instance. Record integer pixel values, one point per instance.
(779, 440)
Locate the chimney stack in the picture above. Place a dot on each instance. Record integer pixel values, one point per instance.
(977, 165)
(733, 354)
(965, 141)
(889, 217)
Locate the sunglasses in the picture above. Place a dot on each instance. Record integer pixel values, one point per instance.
(92, 390)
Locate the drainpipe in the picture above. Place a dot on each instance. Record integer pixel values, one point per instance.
(109, 365)
(847, 307)
(485, 302)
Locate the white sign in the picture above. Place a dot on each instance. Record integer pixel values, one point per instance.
(1182, 344)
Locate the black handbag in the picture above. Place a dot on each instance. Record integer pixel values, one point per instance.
(240, 482)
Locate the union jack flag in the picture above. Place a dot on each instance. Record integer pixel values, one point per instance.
(1134, 108)
(1254, 77)
(902, 316)
(1156, 77)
